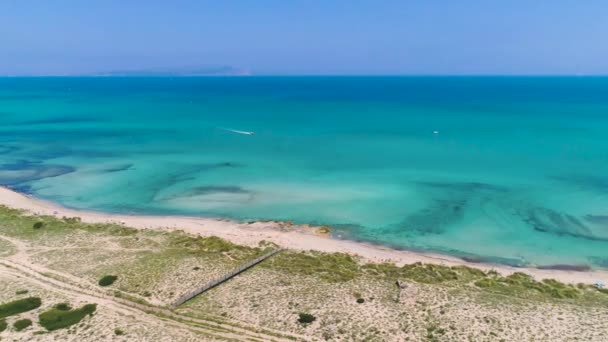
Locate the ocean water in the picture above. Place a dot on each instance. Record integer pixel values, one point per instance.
(505, 169)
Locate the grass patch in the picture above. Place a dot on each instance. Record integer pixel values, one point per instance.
(422, 273)
(334, 267)
(107, 280)
(521, 284)
(18, 223)
(486, 283)
(22, 324)
(339, 267)
(3, 325)
(211, 245)
(19, 306)
(57, 319)
(601, 290)
(468, 272)
(21, 292)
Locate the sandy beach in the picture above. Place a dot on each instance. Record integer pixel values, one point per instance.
(285, 235)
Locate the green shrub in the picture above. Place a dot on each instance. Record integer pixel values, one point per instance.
(360, 300)
(22, 324)
(305, 318)
(56, 319)
(38, 225)
(63, 307)
(19, 306)
(3, 325)
(20, 292)
(107, 280)
(118, 332)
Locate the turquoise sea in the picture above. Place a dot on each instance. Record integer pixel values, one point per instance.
(505, 169)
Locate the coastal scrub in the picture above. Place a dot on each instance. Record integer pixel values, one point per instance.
(54, 319)
(22, 324)
(107, 280)
(306, 318)
(18, 306)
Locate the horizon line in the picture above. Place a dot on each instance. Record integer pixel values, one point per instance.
(301, 75)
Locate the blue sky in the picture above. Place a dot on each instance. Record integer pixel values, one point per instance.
(428, 37)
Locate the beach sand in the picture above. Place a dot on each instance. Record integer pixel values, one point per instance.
(297, 237)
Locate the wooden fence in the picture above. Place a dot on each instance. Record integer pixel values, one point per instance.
(213, 283)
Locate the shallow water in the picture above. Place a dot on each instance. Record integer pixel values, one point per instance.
(511, 170)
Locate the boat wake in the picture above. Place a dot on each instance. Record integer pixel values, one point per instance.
(237, 131)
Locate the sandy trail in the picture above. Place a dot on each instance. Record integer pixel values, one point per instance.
(19, 264)
(38, 275)
(296, 237)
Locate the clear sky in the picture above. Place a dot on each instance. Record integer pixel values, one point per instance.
(307, 37)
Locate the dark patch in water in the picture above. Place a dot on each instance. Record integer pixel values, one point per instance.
(565, 267)
(435, 218)
(549, 221)
(118, 168)
(211, 166)
(597, 219)
(185, 173)
(5, 149)
(599, 261)
(226, 164)
(211, 190)
(189, 172)
(464, 186)
(479, 259)
(24, 171)
(24, 189)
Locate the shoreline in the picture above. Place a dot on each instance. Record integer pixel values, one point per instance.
(295, 237)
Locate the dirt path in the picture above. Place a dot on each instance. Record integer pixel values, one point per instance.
(19, 264)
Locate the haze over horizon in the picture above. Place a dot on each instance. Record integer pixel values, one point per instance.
(470, 37)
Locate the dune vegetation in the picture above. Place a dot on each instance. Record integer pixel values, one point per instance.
(294, 295)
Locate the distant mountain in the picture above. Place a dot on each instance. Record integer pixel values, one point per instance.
(224, 70)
